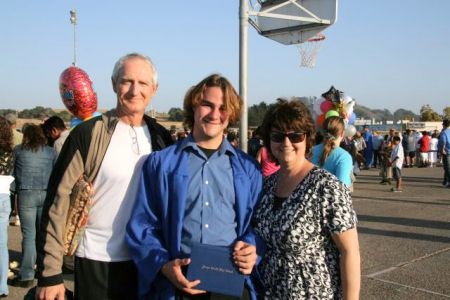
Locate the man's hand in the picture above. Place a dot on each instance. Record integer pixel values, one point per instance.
(244, 256)
(172, 270)
(50, 292)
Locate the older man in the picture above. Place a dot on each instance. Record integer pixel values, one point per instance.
(206, 192)
(108, 150)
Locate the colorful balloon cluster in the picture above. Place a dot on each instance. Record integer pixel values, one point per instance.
(334, 103)
(77, 94)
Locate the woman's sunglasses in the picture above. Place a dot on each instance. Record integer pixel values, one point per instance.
(294, 137)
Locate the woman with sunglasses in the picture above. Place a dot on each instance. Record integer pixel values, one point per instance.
(305, 218)
(329, 155)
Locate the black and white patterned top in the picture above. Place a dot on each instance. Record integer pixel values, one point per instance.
(301, 260)
(6, 163)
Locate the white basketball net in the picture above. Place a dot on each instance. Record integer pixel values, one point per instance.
(309, 50)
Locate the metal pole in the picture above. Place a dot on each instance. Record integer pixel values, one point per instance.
(73, 20)
(74, 44)
(243, 41)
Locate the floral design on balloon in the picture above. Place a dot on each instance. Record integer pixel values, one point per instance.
(77, 92)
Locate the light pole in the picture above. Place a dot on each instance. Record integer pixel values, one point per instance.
(73, 20)
(243, 36)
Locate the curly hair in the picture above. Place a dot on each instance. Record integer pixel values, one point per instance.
(33, 137)
(6, 136)
(231, 100)
(286, 116)
(333, 127)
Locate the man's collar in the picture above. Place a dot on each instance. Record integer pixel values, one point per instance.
(225, 146)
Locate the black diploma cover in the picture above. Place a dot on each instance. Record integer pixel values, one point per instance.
(215, 269)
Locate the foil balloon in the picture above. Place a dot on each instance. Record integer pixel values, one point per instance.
(333, 95)
(316, 106)
(326, 106)
(350, 130)
(77, 93)
(349, 104)
(320, 120)
(352, 118)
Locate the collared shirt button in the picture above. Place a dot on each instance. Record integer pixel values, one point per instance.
(206, 225)
(207, 203)
(206, 181)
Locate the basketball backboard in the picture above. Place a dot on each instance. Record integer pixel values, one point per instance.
(292, 21)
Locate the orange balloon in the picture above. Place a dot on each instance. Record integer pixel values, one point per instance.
(320, 120)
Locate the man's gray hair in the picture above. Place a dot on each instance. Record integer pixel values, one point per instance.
(11, 118)
(119, 64)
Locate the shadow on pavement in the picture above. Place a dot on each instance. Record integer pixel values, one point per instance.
(406, 221)
(444, 203)
(405, 235)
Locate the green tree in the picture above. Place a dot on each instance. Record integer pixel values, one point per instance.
(256, 114)
(428, 114)
(65, 115)
(447, 112)
(175, 114)
(4, 112)
(39, 112)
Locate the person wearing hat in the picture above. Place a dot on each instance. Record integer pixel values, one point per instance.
(17, 135)
(17, 140)
(444, 149)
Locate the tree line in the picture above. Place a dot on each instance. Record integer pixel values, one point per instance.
(39, 112)
(256, 113)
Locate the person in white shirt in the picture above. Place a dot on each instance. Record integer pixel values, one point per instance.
(396, 161)
(432, 154)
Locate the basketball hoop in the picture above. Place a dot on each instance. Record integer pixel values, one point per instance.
(309, 50)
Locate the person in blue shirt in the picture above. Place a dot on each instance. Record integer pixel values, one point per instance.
(444, 149)
(329, 156)
(201, 189)
(368, 151)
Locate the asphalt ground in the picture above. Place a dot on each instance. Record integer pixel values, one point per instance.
(404, 237)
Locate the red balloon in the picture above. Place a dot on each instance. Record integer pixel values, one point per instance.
(326, 106)
(77, 93)
(320, 120)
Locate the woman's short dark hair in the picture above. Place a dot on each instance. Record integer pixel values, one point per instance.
(33, 137)
(285, 116)
(231, 100)
(6, 136)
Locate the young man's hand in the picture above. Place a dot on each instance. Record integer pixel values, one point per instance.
(172, 270)
(244, 256)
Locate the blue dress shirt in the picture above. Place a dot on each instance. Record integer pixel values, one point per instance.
(210, 215)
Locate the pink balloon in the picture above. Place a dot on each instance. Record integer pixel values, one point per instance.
(77, 92)
(326, 105)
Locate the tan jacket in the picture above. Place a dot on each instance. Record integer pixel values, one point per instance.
(82, 153)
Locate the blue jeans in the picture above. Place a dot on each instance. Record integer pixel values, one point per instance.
(30, 211)
(5, 209)
(446, 161)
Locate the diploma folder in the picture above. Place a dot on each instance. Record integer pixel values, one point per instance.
(215, 269)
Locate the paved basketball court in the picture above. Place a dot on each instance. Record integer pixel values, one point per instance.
(404, 237)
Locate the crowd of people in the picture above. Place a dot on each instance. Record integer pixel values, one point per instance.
(128, 199)
(394, 151)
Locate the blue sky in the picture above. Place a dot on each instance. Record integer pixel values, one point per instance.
(385, 54)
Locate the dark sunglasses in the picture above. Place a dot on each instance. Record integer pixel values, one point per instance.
(294, 137)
